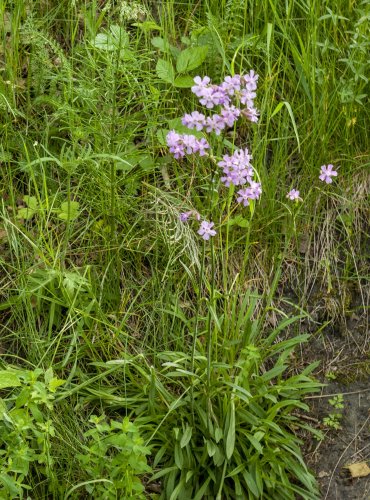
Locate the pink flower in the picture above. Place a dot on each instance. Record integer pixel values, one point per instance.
(194, 120)
(293, 194)
(206, 230)
(184, 216)
(244, 196)
(326, 173)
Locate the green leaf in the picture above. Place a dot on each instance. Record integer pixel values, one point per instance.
(147, 26)
(211, 447)
(69, 211)
(218, 434)
(239, 220)
(31, 202)
(230, 432)
(32, 207)
(55, 383)
(8, 379)
(103, 42)
(161, 43)
(178, 455)
(165, 71)
(184, 82)
(252, 486)
(186, 436)
(116, 39)
(191, 58)
(202, 489)
(177, 125)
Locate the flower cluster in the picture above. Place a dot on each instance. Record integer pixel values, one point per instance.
(235, 95)
(237, 168)
(182, 144)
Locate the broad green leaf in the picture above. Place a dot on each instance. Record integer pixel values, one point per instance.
(103, 42)
(55, 383)
(120, 36)
(177, 125)
(29, 211)
(31, 202)
(191, 58)
(161, 43)
(184, 81)
(165, 71)
(116, 39)
(218, 434)
(186, 436)
(211, 447)
(25, 213)
(69, 211)
(8, 379)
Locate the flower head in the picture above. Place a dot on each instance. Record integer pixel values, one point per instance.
(237, 168)
(182, 144)
(215, 124)
(206, 230)
(293, 194)
(194, 120)
(326, 173)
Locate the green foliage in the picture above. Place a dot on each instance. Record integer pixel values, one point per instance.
(186, 60)
(101, 281)
(26, 428)
(333, 420)
(114, 458)
(231, 426)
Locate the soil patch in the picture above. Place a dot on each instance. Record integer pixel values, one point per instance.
(340, 448)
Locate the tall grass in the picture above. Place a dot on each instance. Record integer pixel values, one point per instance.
(101, 281)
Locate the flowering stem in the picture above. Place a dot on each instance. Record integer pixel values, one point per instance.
(196, 327)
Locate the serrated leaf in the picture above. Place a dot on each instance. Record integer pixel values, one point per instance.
(184, 82)
(191, 58)
(165, 71)
(8, 379)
